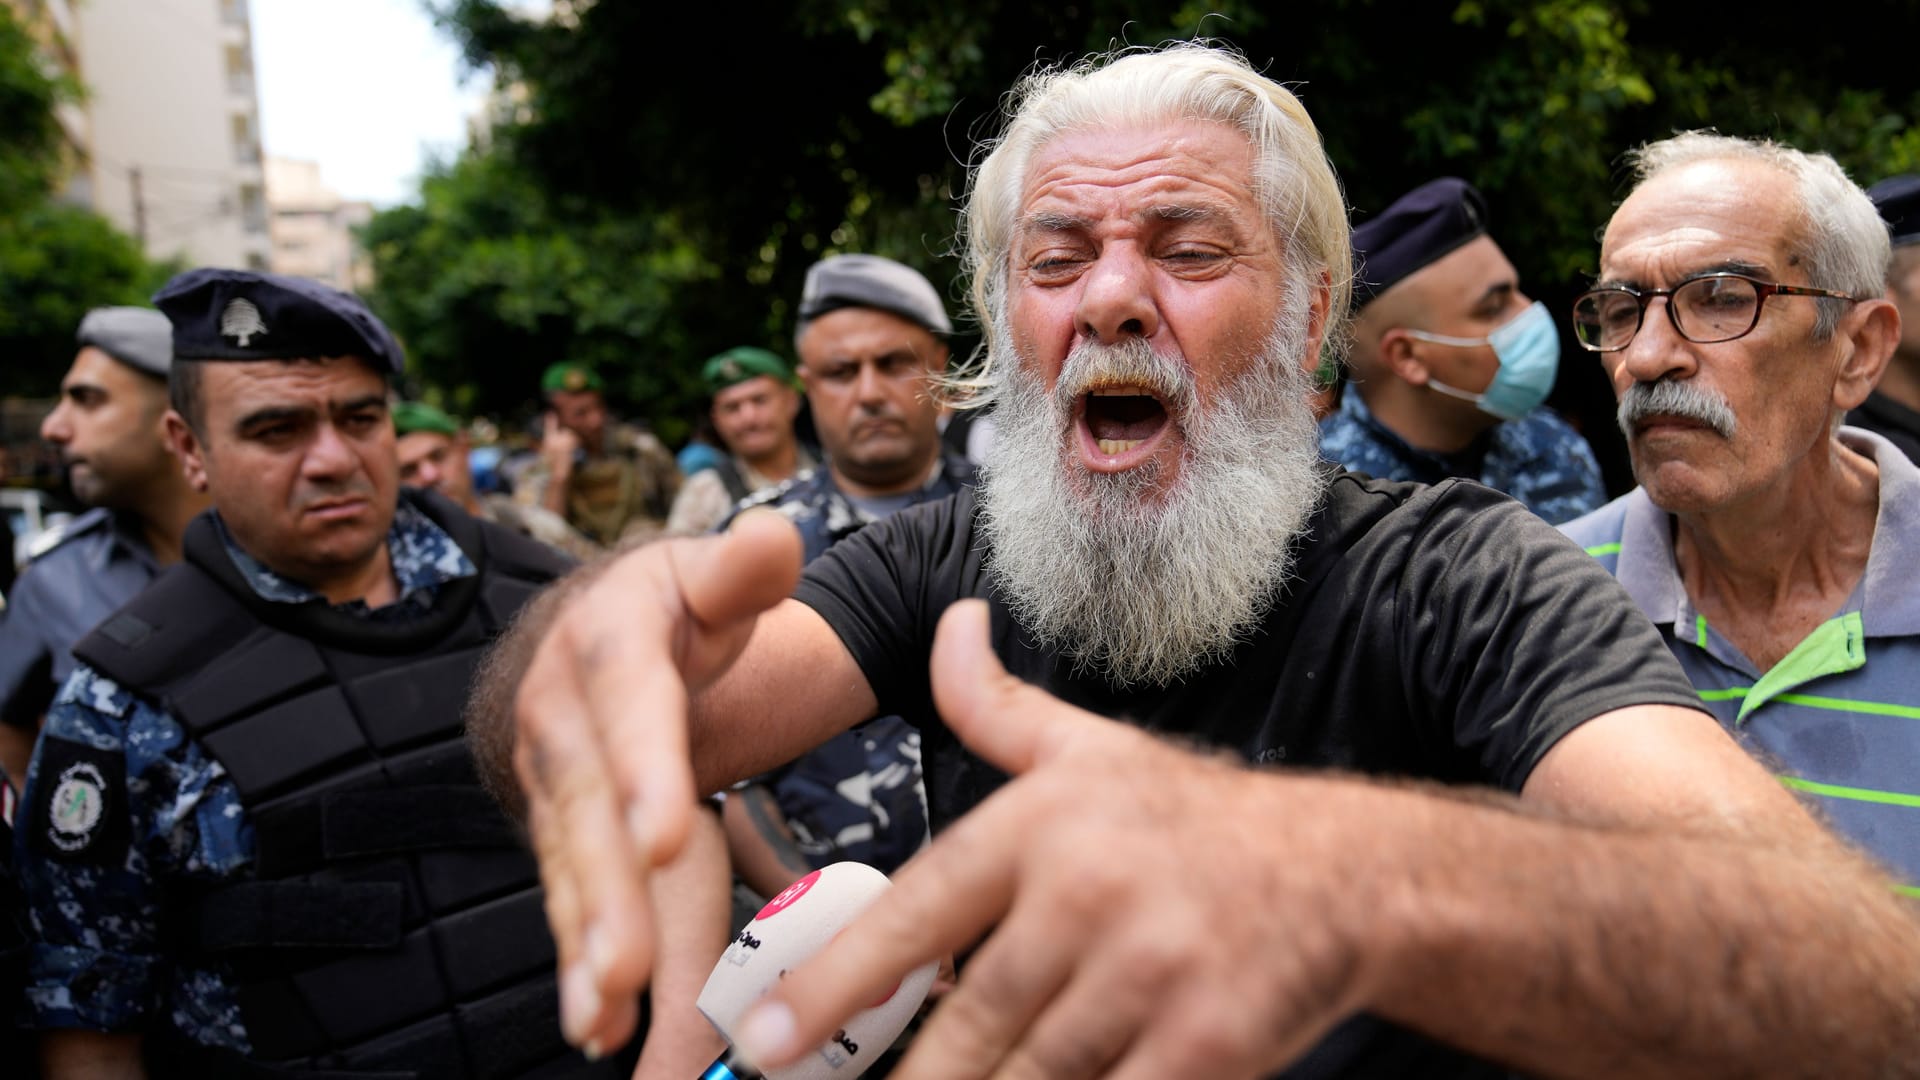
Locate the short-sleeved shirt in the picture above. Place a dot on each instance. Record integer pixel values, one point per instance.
(1437, 632)
(100, 563)
(1538, 459)
(1839, 716)
(101, 959)
(859, 795)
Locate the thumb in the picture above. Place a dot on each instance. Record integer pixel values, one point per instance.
(1011, 724)
(752, 567)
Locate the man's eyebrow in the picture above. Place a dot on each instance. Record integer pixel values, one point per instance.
(370, 401)
(1499, 290)
(1054, 221)
(273, 414)
(1725, 266)
(1184, 212)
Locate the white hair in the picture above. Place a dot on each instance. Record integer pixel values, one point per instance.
(1842, 239)
(1133, 88)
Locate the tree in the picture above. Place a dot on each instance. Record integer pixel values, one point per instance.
(56, 260)
(803, 128)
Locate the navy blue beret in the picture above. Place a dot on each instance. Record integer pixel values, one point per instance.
(1426, 223)
(1898, 200)
(244, 315)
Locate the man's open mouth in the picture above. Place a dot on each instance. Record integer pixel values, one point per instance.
(1119, 419)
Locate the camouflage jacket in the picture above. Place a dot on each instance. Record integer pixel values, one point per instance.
(1537, 459)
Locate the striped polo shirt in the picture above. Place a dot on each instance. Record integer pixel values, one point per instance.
(1839, 717)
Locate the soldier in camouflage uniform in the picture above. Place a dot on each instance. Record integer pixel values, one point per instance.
(108, 430)
(755, 401)
(871, 343)
(432, 451)
(1451, 362)
(252, 842)
(613, 482)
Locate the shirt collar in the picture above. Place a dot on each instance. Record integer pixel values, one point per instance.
(423, 556)
(1889, 602)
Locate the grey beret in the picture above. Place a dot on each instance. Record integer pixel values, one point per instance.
(137, 337)
(870, 281)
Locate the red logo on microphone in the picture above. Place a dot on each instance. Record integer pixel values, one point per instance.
(787, 896)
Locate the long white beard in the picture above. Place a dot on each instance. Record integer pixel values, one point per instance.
(1144, 585)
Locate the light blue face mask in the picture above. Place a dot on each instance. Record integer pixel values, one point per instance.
(1528, 348)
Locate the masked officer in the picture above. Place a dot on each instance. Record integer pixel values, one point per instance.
(1451, 362)
(109, 430)
(252, 838)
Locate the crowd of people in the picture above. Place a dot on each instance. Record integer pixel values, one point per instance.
(1220, 718)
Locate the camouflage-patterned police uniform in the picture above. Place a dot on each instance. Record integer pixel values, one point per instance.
(252, 832)
(1538, 459)
(860, 795)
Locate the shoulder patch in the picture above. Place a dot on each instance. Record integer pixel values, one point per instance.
(79, 812)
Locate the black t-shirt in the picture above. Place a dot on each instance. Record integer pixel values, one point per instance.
(1439, 632)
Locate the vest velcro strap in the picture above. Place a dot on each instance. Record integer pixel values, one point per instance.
(292, 915)
(391, 820)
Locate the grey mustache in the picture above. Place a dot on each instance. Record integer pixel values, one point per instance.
(1668, 397)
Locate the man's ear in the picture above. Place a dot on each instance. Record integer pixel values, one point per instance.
(186, 446)
(1868, 335)
(1319, 307)
(1398, 355)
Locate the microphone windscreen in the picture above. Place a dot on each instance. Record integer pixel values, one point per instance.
(791, 928)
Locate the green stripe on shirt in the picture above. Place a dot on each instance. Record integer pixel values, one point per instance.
(1598, 550)
(1856, 794)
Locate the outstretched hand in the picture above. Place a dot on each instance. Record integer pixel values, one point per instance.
(1120, 885)
(602, 746)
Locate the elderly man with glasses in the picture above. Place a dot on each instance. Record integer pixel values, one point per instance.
(1740, 314)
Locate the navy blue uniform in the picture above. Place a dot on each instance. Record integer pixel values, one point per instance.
(126, 814)
(1538, 459)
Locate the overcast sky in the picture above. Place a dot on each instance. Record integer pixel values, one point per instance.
(368, 88)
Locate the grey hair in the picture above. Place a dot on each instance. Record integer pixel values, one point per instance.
(1139, 87)
(1842, 238)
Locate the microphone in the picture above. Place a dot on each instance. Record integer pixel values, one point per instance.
(791, 928)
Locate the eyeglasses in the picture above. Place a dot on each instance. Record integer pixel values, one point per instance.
(1704, 310)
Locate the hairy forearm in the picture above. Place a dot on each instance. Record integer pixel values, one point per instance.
(760, 843)
(693, 900)
(1566, 950)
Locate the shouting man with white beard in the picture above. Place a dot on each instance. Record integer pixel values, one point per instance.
(1592, 879)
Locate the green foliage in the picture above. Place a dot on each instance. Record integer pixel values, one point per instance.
(56, 261)
(29, 135)
(739, 157)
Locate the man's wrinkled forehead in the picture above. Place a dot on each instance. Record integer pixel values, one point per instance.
(1190, 171)
(1704, 217)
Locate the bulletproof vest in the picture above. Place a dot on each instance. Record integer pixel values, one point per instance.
(392, 923)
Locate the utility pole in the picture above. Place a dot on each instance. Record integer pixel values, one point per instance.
(139, 208)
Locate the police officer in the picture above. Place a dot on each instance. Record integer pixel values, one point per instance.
(1893, 409)
(1451, 362)
(872, 346)
(613, 482)
(109, 430)
(252, 840)
(755, 402)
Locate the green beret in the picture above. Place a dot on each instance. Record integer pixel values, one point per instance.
(413, 416)
(570, 376)
(737, 365)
